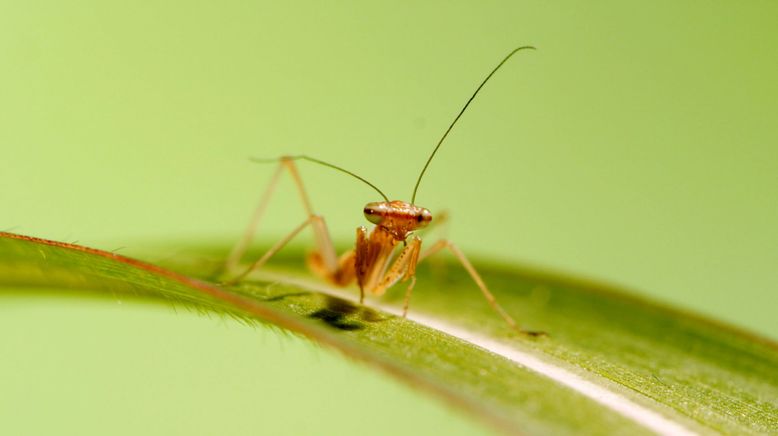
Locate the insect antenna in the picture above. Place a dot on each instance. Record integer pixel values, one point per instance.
(321, 162)
(416, 188)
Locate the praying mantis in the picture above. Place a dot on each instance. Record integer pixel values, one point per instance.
(376, 262)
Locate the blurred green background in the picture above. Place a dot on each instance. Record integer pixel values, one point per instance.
(638, 145)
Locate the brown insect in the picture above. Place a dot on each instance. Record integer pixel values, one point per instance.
(373, 263)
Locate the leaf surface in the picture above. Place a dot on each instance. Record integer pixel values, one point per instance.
(612, 363)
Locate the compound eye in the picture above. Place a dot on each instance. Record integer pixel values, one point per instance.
(423, 218)
(372, 215)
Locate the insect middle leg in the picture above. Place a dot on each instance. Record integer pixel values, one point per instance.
(443, 243)
(325, 256)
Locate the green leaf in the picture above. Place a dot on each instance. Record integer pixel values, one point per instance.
(612, 363)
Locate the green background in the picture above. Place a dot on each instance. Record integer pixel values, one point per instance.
(638, 145)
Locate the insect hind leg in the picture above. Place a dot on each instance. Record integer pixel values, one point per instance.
(324, 246)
